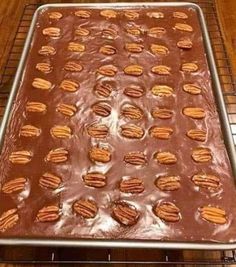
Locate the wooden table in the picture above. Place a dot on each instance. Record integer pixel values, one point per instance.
(10, 14)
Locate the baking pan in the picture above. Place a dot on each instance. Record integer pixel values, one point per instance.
(223, 118)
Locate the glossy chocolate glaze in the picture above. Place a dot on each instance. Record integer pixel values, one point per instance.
(191, 227)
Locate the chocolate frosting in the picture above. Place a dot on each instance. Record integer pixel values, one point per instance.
(188, 198)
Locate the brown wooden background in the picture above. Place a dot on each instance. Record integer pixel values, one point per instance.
(10, 14)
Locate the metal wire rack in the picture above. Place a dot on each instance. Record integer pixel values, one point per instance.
(123, 256)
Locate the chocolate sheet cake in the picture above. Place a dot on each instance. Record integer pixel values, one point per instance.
(114, 132)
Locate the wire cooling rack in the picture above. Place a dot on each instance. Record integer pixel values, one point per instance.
(117, 257)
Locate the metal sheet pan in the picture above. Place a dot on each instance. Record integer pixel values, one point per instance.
(223, 118)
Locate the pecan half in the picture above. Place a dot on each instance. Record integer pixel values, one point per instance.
(103, 89)
(161, 70)
(67, 110)
(29, 131)
(156, 32)
(47, 50)
(167, 211)
(208, 181)
(180, 15)
(86, 208)
(125, 213)
(132, 131)
(76, 47)
(44, 67)
(108, 13)
(165, 158)
(42, 84)
(131, 14)
(161, 113)
(134, 70)
(192, 89)
(159, 49)
(109, 34)
(14, 185)
(107, 50)
(99, 154)
(69, 86)
(49, 181)
(108, 70)
(73, 66)
(160, 132)
(61, 131)
(168, 183)
(8, 219)
(132, 112)
(155, 14)
(52, 32)
(132, 185)
(134, 47)
(201, 154)
(101, 109)
(57, 155)
(95, 179)
(162, 90)
(35, 107)
(197, 134)
(84, 14)
(48, 214)
(189, 67)
(134, 30)
(183, 27)
(135, 158)
(194, 113)
(97, 130)
(20, 157)
(185, 43)
(213, 214)
(134, 91)
(55, 15)
(82, 31)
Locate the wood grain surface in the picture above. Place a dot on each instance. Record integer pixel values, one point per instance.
(10, 14)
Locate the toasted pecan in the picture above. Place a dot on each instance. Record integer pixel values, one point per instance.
(48, 214)
(100, 154)
(20, 157)
(8, 219)
(165, 157)
(167, 211)
(50, 181)
(213, 214)
(125, 213)
(86, 208)
(14, 185)
(66, 109)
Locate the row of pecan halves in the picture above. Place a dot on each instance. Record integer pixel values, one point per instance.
(128, 184)
(111, 13)
(102, 154)
(109, 71)
(100, 131)
(129, 111)
(110, 50)
(129, 14)
(104, 89)
(104, 109)
(123, 212)
(110, 33)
